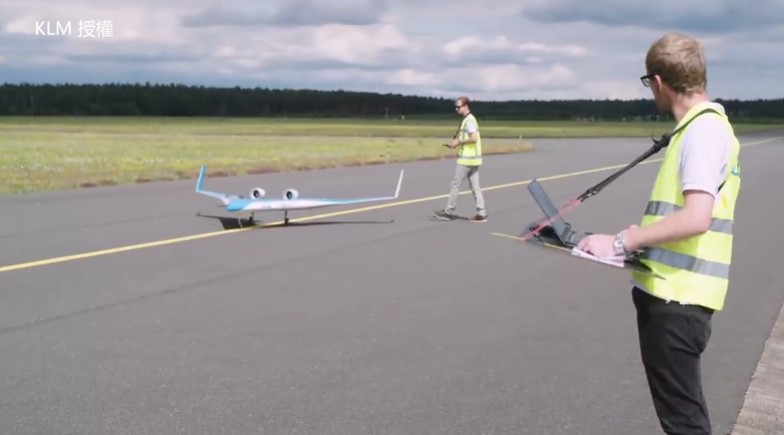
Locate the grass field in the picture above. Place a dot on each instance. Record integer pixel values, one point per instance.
(38, 154)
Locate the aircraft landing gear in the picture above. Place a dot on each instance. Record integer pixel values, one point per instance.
(251, 220)
(286, 217)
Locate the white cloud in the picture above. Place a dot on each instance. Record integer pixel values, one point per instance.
(498, 50)
(711, 16)
(412, 78)
(501, 50)
(514, 78)
(356, 44)
(286, 13)
(128, 23)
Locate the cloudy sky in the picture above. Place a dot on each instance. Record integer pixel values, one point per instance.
(491, 50)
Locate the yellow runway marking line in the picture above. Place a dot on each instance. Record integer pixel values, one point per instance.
(520, 239)
(157, 243)
(508, 236)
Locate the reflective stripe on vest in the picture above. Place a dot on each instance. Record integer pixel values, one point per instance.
(661, 208)
(687, 262)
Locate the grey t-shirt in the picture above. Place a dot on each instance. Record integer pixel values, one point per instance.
(705, 153)
(470, 126)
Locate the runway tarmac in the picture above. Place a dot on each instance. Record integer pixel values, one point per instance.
(122, 310)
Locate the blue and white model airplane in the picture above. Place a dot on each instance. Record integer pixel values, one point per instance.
(290, 200)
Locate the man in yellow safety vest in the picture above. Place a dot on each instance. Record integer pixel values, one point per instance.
(469, 159)
(685, 235)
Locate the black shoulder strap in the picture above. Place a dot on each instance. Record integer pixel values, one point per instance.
(658, 144)
(665, 139)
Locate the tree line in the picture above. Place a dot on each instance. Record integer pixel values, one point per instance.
(118, 99)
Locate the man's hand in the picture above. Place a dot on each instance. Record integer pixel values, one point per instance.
(453, 143)
(600, 245)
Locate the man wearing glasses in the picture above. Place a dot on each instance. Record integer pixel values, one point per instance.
(685, 235)
(469, 159)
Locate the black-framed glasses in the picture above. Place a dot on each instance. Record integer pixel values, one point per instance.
(646, 79)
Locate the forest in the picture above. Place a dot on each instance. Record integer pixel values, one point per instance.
(178, 100)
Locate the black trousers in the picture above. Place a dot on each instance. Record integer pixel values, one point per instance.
(672, 338)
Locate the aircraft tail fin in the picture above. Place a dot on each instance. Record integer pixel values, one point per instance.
(200, 181)
(399, 183)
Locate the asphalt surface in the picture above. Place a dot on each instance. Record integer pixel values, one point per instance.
(379, 321)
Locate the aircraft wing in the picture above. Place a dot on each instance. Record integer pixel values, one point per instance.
(226, 199)
(372, 199)
(200, 188)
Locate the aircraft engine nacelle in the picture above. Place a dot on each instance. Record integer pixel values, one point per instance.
(257, 193)
(290, 194)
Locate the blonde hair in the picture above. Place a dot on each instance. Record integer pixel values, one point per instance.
(680, 62)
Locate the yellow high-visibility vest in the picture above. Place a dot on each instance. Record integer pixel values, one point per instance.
(696, 269)
(469, 154)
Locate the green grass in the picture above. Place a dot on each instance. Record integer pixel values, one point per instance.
(40, 153)
(342, 127)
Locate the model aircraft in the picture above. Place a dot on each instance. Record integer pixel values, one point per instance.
(290, 200)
